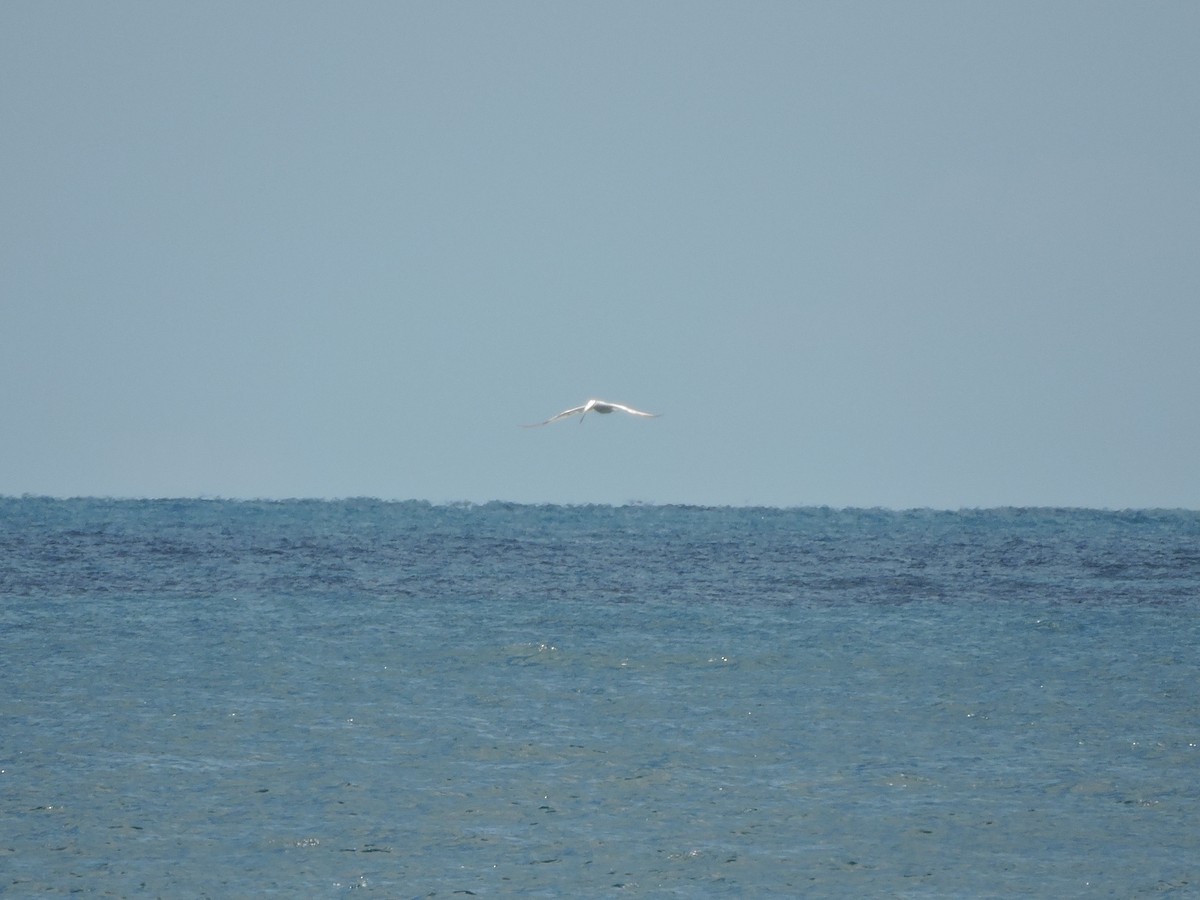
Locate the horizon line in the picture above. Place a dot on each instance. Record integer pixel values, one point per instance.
(217, 498)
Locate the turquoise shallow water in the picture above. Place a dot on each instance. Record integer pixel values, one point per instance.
(211, 698)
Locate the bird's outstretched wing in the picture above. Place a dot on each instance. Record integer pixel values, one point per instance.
(632, 411)
(566, 413)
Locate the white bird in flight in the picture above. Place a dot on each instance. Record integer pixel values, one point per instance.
(600, 406)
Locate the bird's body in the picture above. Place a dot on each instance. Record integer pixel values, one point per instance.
(598, 406)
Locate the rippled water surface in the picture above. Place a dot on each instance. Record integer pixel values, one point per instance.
(211, 698)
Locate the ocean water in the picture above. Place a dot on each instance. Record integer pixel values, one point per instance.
(304, 699)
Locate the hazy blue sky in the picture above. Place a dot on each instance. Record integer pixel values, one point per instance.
(899, 254)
